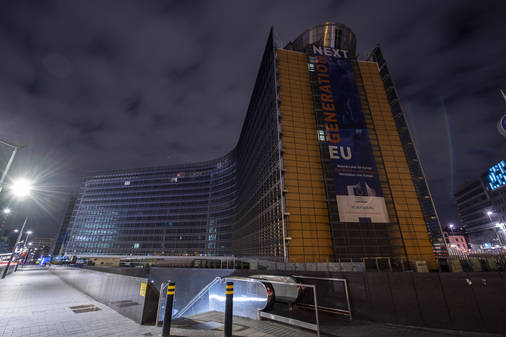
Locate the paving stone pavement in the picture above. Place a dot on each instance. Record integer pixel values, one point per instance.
(35, 302)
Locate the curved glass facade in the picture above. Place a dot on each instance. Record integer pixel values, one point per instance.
(173, 210)
(231, 205)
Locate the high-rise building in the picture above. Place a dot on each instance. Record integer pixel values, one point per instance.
(324, 168)
(482, 207)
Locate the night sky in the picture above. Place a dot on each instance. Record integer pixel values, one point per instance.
(100, 85)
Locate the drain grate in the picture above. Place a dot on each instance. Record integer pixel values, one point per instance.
(78, 309)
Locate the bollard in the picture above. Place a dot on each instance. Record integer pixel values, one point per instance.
(229, 309)
(167, 318)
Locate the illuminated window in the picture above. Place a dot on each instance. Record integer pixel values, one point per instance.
(127, 182)
(321, 136)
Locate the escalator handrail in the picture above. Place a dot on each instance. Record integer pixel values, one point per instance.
(197, 297)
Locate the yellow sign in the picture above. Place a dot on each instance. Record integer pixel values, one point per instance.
(143, 289)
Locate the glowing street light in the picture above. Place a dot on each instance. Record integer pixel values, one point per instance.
(26, 239)
(490, 216)
(500, 226)
(451, 228)
(21, 188)
(495, 228)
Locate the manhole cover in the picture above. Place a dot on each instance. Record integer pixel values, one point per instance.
(78, 309)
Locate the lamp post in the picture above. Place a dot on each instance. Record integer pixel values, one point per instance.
(495, 228)
(24, 249)
(27, 256)
(16, 148)
(20, 188)
(26, 239)
(14, 250)
(498, 225)
(490, 216)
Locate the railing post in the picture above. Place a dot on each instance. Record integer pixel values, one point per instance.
(167, 318)
(228, 309)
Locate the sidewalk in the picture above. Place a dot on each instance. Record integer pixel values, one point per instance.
(34, 302)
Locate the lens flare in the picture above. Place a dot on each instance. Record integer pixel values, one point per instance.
(21, 188)
(450, 143)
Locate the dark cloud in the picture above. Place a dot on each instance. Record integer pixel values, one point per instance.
(97, 85)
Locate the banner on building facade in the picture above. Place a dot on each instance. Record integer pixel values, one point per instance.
(358, 191)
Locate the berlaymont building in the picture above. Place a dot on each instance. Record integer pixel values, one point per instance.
(325, 168)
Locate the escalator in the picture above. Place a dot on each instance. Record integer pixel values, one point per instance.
(250, 296)
(289, 299)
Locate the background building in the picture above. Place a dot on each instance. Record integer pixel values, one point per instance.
(56, 248)
(40, 247)
(482, 207)
(324, 168)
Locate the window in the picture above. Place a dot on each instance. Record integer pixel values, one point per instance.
(321, 135)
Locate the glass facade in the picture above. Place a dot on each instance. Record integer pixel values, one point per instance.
(260, 226)
(175, 210)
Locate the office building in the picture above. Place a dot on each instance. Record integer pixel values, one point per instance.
(324, 168)
(482, 207)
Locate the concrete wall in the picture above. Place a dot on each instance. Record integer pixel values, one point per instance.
(458, 301)
(119, 292)
(454, 301)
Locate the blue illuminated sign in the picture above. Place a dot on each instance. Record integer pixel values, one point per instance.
(496, 176)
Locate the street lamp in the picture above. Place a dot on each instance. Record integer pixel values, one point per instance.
(24, 249)
(16, 148)
(490, 216)
(495, 228)
(451, 228)
(27, 257)
(17, 243)
(26, 239)
(21, 188)
(500, 226)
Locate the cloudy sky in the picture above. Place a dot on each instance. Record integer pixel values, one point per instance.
(98, 85)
